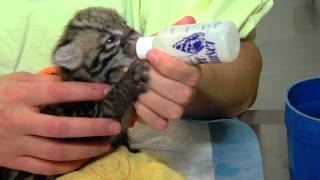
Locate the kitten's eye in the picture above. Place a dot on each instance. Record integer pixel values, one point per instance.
(112, 39)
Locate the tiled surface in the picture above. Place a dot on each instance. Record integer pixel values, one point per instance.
(271, 132)
(289, 40)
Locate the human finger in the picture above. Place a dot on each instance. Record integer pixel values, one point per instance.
(30, 77)
(52, 149)
(150, 118)
(185, 20)
(161, 106)
(48, 78)
(45, 167)
(172, 68)
(68, 127)
(37, 94)
(179, 92)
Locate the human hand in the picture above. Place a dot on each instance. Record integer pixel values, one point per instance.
(29, 139)
(171, 87)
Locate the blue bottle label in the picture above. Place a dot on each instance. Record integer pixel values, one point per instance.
(194, 44)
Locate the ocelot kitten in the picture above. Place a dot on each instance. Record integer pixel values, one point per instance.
(97, 46)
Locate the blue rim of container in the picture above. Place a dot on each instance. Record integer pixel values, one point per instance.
(291, 106)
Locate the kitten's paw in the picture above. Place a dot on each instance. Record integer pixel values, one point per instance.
(140, 74)
(140, 70)
(142, 87)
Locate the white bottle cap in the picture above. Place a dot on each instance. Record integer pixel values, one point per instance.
(143, 45)
(228, 43)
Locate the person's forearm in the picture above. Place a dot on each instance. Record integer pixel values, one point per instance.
(227, 89)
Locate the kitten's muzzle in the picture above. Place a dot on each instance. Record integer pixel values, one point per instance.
(129, 41)
(133, 37)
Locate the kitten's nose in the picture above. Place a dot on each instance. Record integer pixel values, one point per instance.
(130, 38)
(133, 37)
(129, 42)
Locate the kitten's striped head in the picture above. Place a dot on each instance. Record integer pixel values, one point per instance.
(97, 46)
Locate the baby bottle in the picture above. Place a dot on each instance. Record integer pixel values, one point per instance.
(195, 43)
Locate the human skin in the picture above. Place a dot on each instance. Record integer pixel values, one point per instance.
(207, 91)
(29, 140)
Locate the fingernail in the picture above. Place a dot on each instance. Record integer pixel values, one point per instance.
(190, 19)
(105, 146)
(106, 91)
(114, 128)
(195, 77)
(161, 125)
(153, 56)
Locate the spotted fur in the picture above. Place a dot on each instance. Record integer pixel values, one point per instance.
(97, 46)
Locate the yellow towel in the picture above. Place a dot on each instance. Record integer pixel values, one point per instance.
(124, 165)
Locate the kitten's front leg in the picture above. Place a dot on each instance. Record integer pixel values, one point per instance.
(119, 101)
(124, 93)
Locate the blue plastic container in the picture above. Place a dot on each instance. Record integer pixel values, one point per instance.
(302, 120)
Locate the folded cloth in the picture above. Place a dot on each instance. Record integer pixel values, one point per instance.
(124, 165)
(50, 70)
(185, 147)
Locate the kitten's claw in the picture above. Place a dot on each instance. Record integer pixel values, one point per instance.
(139, 73)
(142, 86)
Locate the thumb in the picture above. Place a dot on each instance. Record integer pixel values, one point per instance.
(185, 20)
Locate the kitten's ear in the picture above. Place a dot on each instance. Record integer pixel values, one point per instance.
(68, 56)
